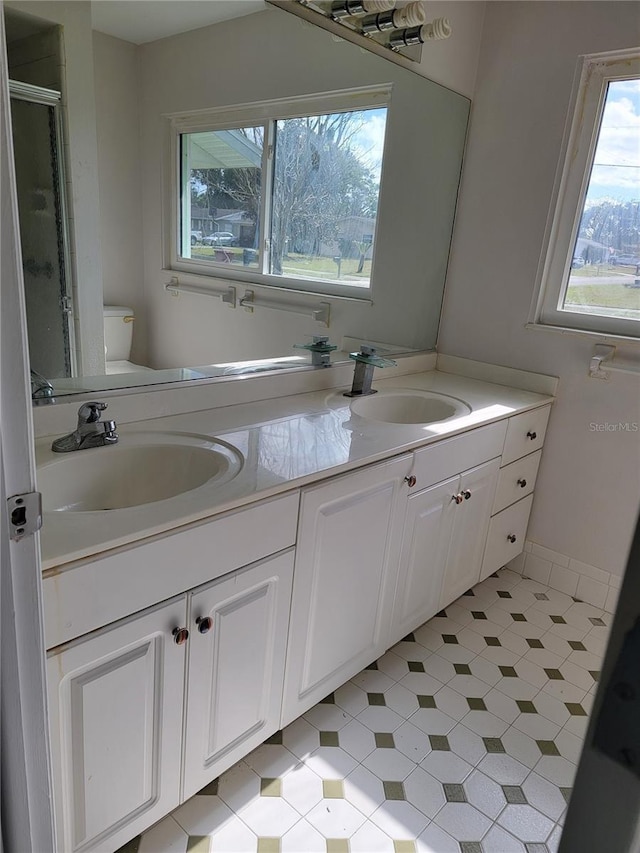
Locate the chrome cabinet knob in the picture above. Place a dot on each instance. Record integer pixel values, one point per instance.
(522, 483)
(532, 435)
(410, 481)
(204, 623)
(511, 538)
(457, 498)
(466, 494)
(180, 636)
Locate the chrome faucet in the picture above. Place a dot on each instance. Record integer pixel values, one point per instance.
(320, 350)
(365, 361)
(90, 432)
(41, 388)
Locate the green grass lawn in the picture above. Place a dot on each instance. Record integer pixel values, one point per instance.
(604, 295)
(324, 267)
(293, 264)
(596, 270)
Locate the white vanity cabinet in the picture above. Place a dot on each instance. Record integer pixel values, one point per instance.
(143, 716)
(514, 493)
(425, 547)
(469, 533)
(210, 663)
(344, 580)
(147, 710)
(115, 712)
(236, 654)
(446, 525)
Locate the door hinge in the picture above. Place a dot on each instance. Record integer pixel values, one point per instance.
(25, 515)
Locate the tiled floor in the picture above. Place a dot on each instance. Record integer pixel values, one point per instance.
(463, 738)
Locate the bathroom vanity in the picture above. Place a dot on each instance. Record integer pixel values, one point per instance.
(182, 633)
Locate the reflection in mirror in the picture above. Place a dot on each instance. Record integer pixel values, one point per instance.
(126, 84)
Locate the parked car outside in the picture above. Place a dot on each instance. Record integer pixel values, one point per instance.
(196, 237)
(219, 238)
(626, 260)
(577, 263)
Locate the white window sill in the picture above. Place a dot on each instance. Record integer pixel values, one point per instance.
(596, 337)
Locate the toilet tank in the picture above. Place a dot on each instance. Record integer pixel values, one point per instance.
(118, 332)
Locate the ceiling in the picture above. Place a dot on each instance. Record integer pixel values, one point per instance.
(141, 21)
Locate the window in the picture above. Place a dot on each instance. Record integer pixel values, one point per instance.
(284, 193)
(591, 276)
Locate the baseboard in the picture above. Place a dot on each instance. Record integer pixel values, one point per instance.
(558, 571)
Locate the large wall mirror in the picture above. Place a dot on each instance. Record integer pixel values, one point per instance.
(96, 166)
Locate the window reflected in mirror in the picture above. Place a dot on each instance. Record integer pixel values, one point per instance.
(304, 207)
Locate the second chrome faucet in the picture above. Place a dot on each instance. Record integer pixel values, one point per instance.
(90, 431)
(365, 361)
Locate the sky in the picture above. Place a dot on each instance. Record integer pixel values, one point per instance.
(369, 140)
(616, 169)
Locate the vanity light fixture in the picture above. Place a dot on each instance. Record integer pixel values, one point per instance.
(403, 30)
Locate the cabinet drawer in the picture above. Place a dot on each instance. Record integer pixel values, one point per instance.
(507, 531)
(516, 481)
(446, 459)
(525, 434)
(93, 593)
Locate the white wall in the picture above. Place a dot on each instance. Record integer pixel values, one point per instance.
(589, 485)
(453, 62)
(115, 65)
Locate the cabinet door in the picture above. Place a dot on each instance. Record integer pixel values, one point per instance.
(425, 545)
(115, 709)
(469, 534)
(236, 667)
(346, 569)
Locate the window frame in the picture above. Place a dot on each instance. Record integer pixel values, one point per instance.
(264, 113)
(595, 71)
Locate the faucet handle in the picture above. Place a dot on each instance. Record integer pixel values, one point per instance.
(320, 343)
(368, 355)
(320, 350)
(89, 413)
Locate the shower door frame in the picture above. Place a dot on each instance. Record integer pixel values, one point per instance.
(32, 94)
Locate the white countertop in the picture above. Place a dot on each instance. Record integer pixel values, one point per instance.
(286, 442)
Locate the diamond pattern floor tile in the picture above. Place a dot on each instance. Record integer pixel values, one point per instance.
(526, 823)
(302, 836)
(485, 794)
(166, 835)
(464, 737)
(399, 819)
(233, 836)
(463, 821)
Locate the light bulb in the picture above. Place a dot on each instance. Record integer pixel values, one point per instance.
(440, 28)
(349, 8)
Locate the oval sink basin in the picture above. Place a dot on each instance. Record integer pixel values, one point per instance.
(406, 406)
(142, 468)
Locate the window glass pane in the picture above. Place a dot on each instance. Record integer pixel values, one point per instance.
(604, 276)
(221, 181)
(325, 196)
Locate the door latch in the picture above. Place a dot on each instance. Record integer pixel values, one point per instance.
(25, 515)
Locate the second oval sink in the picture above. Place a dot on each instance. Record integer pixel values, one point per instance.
(142, 468)
(406, 406)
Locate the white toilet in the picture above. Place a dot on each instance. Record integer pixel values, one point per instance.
(118, 334)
